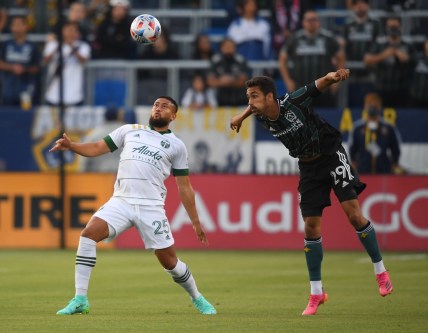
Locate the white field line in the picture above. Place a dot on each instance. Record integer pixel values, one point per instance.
(399, 257)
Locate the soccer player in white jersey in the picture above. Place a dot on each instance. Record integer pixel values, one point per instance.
(150, 153)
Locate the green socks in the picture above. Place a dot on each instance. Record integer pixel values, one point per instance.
(367, 237)
(314, 252)
(314, 255)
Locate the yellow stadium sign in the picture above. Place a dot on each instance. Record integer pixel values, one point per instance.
(30, 207)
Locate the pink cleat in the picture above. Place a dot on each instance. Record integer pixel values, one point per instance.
(385, 284)
(314, 301)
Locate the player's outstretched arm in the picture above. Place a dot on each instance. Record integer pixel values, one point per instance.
(89, 149)
(187, 196)
(236, 121)
(332, 78)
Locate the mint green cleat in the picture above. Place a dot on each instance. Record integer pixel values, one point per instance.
(78, 304)
(204, 306)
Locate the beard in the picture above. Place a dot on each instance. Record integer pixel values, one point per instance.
(159, 122)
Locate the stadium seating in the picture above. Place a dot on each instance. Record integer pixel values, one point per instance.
(212, 17)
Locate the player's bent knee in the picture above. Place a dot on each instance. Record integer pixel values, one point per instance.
(356, 219)
(97, 230)
(312, 227)
(167, 258)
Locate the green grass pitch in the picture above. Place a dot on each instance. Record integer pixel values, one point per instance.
(253, 291)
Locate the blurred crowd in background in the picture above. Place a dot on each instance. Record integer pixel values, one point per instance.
(384, 42)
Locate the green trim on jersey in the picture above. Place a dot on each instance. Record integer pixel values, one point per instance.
(164, 132)
(180, 172)
(110, 143)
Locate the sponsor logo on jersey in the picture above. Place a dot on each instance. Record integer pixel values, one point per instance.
(144, 150)
(293, 127)
(305, 48)
(290, 116)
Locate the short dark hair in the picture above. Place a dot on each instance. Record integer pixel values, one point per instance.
(241, 3)
(265, 83)
(68, 23)
(20, 17)
(172, 100)
(225, 40)
(357, 1)
(393, 17)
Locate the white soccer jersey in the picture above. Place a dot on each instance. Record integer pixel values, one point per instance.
(147, 159)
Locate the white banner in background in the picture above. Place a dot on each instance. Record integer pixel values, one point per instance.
(211, 144)
(272, 158)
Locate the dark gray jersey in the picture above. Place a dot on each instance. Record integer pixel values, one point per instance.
(359, 37)
(299, 128)
(310, 57)
(391, 73)
(420, 80)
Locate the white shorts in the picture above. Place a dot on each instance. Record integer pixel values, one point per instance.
(150, 221)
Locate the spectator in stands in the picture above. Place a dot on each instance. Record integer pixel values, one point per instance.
(419, 88)
(97, 11)
(113, 40)
(19, 64)
(396, 6)
(3, 15)
(199, 95)
(393, 60)
(77, 14)
(75, 54)
(419, 23)
(227, 74)
(360, 32)
(286, 20)
(203, 49)
(250, 32)
(310, 53)
(153, 80)
(163, 49)
(374, 145)
(10, 8)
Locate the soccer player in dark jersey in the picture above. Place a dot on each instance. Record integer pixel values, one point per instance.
(323, 166)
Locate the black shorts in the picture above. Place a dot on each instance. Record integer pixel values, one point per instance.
(318, 177)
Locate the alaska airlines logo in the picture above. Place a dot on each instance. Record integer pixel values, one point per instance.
(165, 144)
(144, 150)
